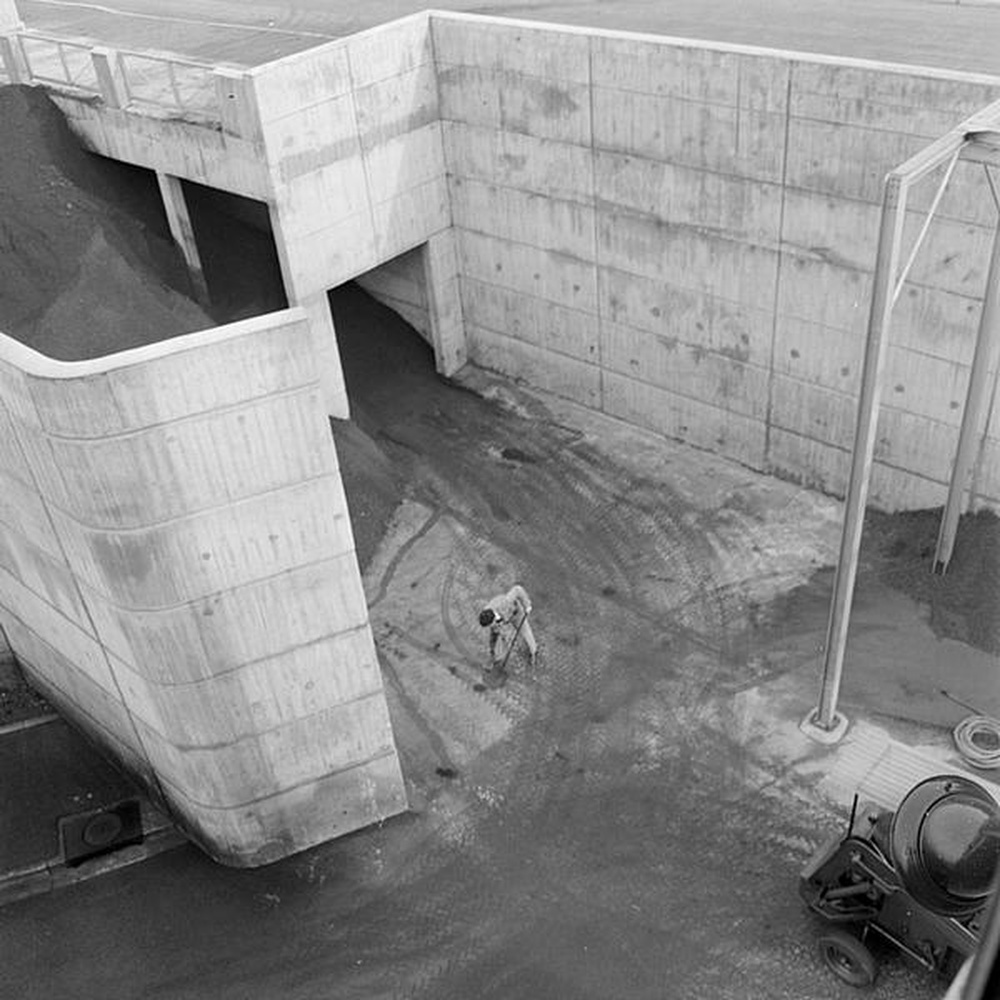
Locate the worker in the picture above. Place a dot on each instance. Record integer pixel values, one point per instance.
(506, 616)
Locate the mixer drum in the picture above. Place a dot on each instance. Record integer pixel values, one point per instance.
(945, 844)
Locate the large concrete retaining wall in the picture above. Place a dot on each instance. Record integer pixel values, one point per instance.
(177, 573)
(682, 235)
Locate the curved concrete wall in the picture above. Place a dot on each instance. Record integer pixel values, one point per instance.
(178, 573)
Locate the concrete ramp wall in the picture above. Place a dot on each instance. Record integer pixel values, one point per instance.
(177, 573)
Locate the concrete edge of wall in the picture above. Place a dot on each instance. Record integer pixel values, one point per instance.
(35, 363)
(708, 45)
(335, 43)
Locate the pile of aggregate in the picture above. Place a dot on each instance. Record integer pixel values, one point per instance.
(87, 265)
(964, 602)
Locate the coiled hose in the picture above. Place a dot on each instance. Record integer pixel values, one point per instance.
(977, 738)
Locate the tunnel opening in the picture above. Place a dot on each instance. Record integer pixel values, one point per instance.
(239, 258)
(390, 378)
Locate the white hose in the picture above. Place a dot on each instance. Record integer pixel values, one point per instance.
(977, 738)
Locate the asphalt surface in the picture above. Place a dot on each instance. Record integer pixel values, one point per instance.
(957, 36)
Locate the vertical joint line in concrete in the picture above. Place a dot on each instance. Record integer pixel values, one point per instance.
(777, 271)
(440, 118)
(597, 227)
(164, 801)
(361, 148)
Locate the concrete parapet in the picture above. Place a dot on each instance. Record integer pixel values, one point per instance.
(179, 576)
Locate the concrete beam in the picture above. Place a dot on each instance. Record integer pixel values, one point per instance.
(182, 231)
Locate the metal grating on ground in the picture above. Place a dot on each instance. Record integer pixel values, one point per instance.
(897, 768)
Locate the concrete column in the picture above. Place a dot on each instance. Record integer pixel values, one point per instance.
(109, 78)
(237, 103)
(182, 230)
(13, 60)
(444, 303)
(331, 373)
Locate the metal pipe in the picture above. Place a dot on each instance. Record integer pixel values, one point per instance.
(890, 237)
(983, 361)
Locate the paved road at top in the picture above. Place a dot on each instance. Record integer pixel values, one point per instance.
(959, 36)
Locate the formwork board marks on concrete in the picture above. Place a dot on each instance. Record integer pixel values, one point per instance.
(311, 608)
(825, 467)
(397, 106)
(311, 138)
(390, 51)
(330, 256)
(537, 220)
(687, 196)
(406, 161)
(686, 370)
(323, 196)
(263, 764)
(530, 319)
(189, 375)
(176, 469)
(170, 563)
(256, 697)
(44, 575)
(546, 274)
(886, 98)
(700, 73)
(559, 374)
(62, 681)
(695, 318)
(30, 619)
(953, 255)
(515, 160)
(914, 442)
(300, 817)
(548, 108)
(729, 140)
(683, 418)
(183, 149)
(411, 217)
(687, 257)
(302, 80)
(543, 51)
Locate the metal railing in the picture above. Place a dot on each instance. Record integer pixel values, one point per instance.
(58, 62)
(122, 78)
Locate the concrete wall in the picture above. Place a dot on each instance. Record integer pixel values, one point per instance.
(177, 573)
(401, 285)
(682, 235)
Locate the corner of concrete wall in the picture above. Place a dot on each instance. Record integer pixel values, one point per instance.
(179, 575)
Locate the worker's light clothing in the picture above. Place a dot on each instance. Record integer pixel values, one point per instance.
(510, 610)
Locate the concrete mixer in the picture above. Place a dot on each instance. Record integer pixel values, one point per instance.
(920, 877)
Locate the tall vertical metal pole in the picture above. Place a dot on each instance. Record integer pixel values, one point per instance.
(983, 361)
(883, 288)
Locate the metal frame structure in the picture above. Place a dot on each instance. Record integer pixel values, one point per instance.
(977, 139)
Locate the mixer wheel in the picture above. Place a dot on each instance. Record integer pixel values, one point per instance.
(848, 958)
